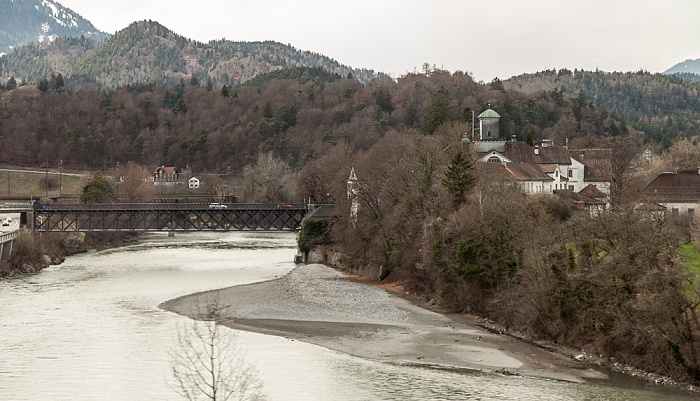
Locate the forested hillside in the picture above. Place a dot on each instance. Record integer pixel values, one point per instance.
(148, 53)
(36, 21)
(612, 285)
(297, 119)
(663, 107)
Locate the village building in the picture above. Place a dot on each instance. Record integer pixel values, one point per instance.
(678, 192)
(545, 168)
(193, 183)
(165, 175)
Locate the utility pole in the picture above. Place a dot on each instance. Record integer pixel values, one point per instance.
(46, 181)
(60, 181)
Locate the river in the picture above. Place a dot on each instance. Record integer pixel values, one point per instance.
(91, 329)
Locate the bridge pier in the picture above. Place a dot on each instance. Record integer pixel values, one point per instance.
(28, 219)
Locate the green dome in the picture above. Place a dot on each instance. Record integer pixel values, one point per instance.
(489, 113)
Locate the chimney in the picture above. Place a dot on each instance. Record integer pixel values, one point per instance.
(513, 139)
(537, 150)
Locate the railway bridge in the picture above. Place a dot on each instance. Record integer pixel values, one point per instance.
(83, 217)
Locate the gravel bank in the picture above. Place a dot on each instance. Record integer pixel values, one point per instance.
(317, 304)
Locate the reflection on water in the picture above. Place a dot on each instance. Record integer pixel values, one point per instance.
(90, 329)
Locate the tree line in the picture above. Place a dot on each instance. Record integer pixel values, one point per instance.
(663, 107)
(147, 52)
(423, 211)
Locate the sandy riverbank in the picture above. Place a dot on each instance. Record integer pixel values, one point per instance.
(320, 305)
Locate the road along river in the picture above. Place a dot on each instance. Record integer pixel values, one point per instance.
(91, 329)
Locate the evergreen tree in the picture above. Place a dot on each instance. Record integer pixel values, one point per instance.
(43, 85)
(267, 110)
(439, 112)
(466, 115)
(97, 190)
(459, 177)
(60, 84)
(383, 100)
(180, 106)
(11, 83)
(225, 91)
(497, 84)
(529, 138)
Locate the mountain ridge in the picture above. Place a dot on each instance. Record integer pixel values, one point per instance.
(687, 66)
(40, 21)
(148, 52)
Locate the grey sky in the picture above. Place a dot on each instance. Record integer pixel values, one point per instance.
(498, 38)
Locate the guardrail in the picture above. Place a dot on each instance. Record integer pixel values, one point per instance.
(8, 236)
(20, 206)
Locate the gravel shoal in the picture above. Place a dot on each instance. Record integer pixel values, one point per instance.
(316, 304)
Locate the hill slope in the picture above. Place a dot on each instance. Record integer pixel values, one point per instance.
(26, 21)
(147, 52)
(689, 69)
(657, 104)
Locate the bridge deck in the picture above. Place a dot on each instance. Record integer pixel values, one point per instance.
(168, 217)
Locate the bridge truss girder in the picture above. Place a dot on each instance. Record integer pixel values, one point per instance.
(111, 219)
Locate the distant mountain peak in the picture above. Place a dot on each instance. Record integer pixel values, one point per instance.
(39, 21)
(686, 67)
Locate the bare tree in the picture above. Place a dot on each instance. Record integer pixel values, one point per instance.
(682, 155)
(133, 184)
(268, 180)
(207, 364)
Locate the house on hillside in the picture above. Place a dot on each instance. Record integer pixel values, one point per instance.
(193, 183)
(530, 177)
(544, 168)
(598, 167)
(165, 175)
(678, 192)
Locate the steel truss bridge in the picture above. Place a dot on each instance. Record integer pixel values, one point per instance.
(166, 217)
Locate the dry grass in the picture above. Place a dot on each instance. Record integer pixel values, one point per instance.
(29, 184)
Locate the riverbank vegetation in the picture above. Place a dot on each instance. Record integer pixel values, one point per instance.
(613, 284)
(32, 252)
(422, 210)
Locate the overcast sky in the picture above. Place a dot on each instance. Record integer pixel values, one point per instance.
(497, 38)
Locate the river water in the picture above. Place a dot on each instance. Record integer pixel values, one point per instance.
(91, 329)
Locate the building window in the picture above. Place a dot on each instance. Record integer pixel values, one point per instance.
(691, 211)
(493, 159)
(571, 187)
(571, 173)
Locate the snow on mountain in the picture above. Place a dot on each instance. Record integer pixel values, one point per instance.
(687, 66)
(26, 21)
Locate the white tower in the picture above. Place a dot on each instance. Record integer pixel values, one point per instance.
(353, 191)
